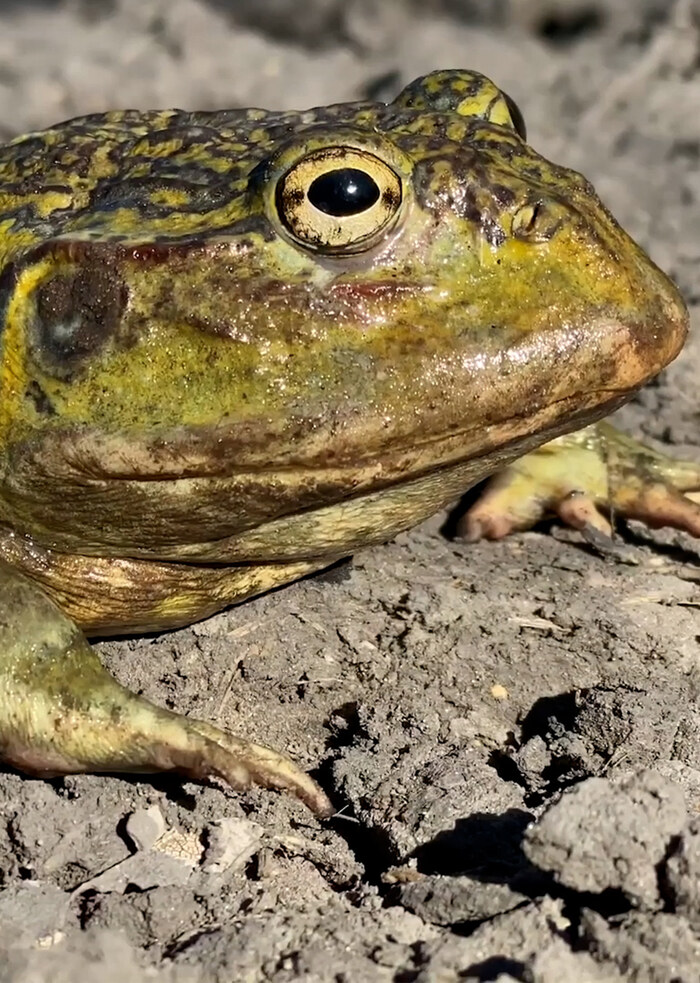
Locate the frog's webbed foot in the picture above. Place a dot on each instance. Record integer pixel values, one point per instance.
(61, 712)
(587, 478)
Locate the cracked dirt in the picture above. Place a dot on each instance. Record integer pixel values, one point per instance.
(510, 730)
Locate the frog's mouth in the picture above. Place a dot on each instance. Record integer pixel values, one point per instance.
(309, 486)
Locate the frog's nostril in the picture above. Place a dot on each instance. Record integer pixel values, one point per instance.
(525, 219)
(534, 222)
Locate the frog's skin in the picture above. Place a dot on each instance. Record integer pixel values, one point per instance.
(213, 383)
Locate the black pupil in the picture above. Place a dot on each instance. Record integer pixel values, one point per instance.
(345, 191)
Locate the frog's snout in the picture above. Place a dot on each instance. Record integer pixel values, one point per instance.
(630, 316)
(656, 328)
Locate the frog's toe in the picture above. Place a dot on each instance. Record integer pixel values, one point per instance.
(658, 504)
(518, 497)
(61, 712)
(121, 732)
(586, 479)
(243, 764)
(579, 510)
(549, 481)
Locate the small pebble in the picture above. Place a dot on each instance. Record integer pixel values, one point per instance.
(144, 827)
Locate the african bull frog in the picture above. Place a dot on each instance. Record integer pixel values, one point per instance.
(239, 345)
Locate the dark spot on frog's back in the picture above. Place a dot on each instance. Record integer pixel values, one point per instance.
(75, 315)
(195, 190)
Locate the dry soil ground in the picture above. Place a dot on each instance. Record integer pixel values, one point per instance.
(512, 728)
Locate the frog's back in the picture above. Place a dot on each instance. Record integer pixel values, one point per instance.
(100, 176)
(152, 175)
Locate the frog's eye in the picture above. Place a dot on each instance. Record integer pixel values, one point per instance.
(338, 199)
(516, 116)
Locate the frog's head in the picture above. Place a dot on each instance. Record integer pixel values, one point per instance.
(241, 316)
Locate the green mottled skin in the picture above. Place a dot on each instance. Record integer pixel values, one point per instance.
(183, 381)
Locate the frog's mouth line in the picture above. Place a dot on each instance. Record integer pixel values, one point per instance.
(469, 407)
(83, 459)
(222, 493)
(210, 452)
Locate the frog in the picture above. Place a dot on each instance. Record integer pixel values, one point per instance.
(240, 345)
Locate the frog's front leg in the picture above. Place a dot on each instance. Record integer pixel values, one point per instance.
(61, 712)
(586, 478)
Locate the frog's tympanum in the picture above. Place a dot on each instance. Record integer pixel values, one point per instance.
(237, 346)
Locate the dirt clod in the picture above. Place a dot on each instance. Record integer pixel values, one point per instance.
(607, 834)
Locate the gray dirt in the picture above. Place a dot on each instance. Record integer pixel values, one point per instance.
(511, 729)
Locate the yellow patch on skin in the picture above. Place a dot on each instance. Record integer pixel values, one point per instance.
(489, 104)
(174, 197)
(14, 374)
(53, 201)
